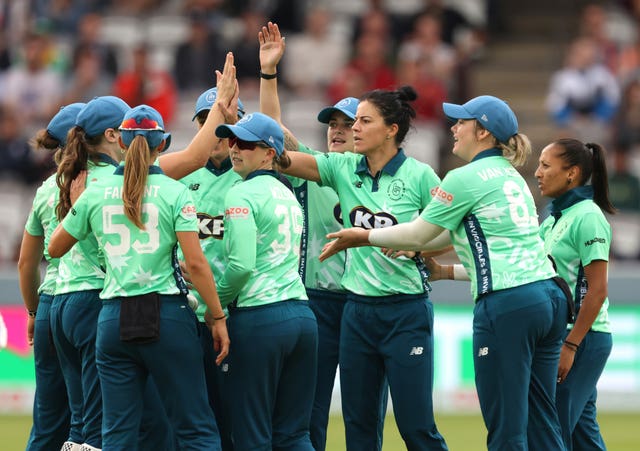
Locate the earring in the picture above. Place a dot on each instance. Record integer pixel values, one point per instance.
(569, 181)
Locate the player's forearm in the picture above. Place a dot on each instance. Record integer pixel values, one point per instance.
(409, 235)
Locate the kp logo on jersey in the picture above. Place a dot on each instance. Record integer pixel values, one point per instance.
(365, 218)
(210, 226)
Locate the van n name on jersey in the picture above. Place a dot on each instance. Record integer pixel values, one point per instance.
(492, 173)
(115, 192)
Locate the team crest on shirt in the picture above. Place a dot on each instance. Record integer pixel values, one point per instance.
(365, 218)
(396, 189)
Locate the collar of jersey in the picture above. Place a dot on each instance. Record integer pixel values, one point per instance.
(104, 158)
(224, 166)
(390, 168)
(270, 172)
(571, 197)
(488, 153)
(153, 169)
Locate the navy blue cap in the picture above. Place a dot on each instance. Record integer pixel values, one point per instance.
(493, 113)
(208, 98)
(348, 106)
(144, 120)
(101, 113)
(255, 127)
(64, 120)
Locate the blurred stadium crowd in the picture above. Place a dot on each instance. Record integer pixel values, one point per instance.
(163, 52)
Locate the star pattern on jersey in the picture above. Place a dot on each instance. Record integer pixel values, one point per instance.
(491, 212)
(76, 256)
(144, 278)
(260, 237)
(119, 261)
(316, 243)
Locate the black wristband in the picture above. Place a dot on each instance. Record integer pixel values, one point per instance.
(570, 345)
(268, 76)
(219, 318)
(32, 313)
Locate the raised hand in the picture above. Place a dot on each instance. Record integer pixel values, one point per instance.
(227, 84)
(346, 238)
(271, 47)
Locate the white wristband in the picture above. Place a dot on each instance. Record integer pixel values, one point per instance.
(459, 272)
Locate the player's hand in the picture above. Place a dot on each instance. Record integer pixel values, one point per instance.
(271, 47)
(345, 238)
(567, 356)
(435, 268)
(226, 83)
(220, 339)
(393, 253)
(185, 274)
(77, 186)
(31, 322)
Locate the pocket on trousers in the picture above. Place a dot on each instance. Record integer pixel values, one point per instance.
(140, 318)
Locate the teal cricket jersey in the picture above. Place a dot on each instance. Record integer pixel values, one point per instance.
(398, 193)
(82, 268)
(321, 209)
(208, 187)
(263, 228)
(580, 235)
(42, 221)
(137, 261)
(491, 215)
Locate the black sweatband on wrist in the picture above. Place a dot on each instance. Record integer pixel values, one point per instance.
(268, 76)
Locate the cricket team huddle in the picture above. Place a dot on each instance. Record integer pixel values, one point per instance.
(204, 298)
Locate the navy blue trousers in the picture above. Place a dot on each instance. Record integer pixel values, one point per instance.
(390, 337)
(74, 319)
(51, 414)
(272, 375)
(174, 362)
(517, 334)
(576, 396)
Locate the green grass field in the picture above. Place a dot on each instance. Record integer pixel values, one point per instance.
(462, 432)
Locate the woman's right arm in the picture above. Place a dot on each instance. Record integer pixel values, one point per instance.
(202, 279)
(31, 252)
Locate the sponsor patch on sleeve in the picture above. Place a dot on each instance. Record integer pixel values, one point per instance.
(442, 196)
(188, 211)
(237, 213)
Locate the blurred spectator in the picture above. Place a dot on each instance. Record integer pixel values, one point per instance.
(583, 95)
(31, 87)
(17, 161)
(368, 69)
(453, 23)
(314, 56)
(88, 40)
(135, 7)
(60, 16)
(87, 79)
(626, 130)
(196, 59)
(594, 24)
(624, 185)
(246, 52)
(143, 83)
(378, 21)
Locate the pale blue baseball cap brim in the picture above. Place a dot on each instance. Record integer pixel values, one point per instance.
(207, 99)
(255, 127)
(493, 113)
(63, 121)
(348, 106)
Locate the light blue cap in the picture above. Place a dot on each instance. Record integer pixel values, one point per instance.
(144, 120)
(493, 113)
(101, 113)
(208, 98)
(64, 120)
(255, 127)
(348, 106)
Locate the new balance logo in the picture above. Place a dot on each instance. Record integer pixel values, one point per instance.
(483, 351)
(416, 350)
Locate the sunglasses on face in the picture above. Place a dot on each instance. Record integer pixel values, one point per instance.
(246, 145)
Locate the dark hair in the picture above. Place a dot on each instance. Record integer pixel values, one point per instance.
(394, 107)
(79, 150)
(591, 160)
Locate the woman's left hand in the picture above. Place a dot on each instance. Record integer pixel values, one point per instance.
(220, 339)
(345, 238)
(567, 356)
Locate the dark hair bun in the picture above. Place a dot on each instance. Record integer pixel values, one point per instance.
(407, 93)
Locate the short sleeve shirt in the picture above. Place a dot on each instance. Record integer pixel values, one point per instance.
(263, 229)
(137, 261)
(491, 215)
(323, 215)
(82, 268)
(42, 221)
(398, 193)
(579, 236)
(208, 187)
